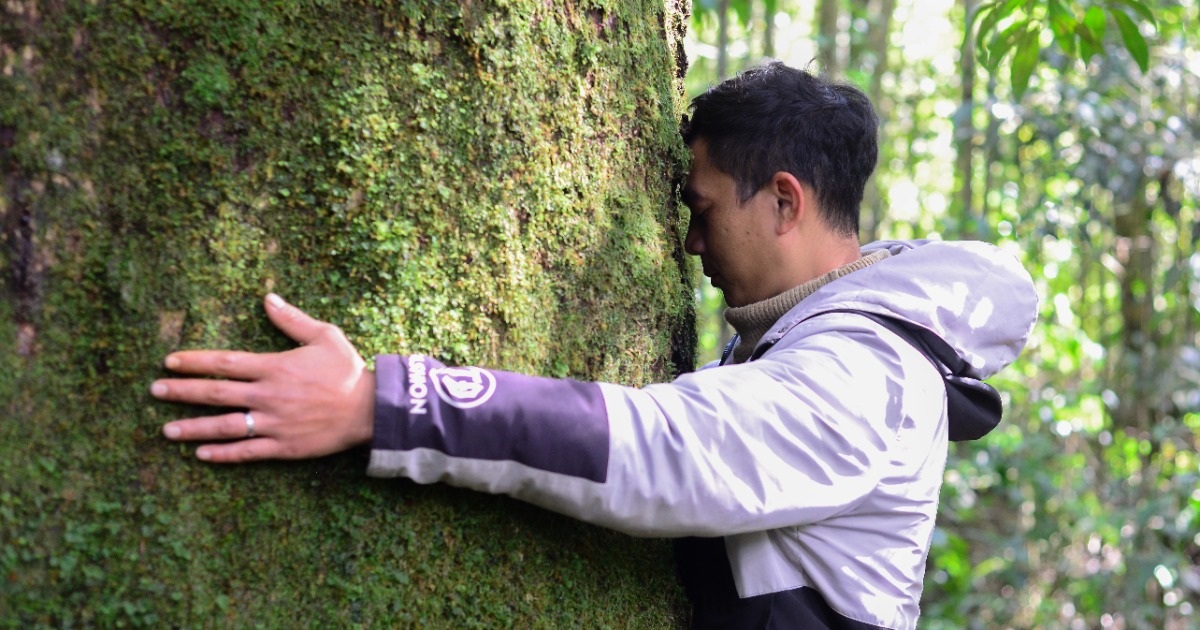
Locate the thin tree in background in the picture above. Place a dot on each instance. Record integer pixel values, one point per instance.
(770, 8)
(829, 15)
(872, 54)
(722, 39)
(969, 225)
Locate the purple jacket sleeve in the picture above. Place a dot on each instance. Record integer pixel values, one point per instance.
(555, 425)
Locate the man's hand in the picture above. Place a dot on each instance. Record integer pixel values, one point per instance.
(311, 401)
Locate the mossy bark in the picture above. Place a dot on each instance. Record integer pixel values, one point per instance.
(486, 182)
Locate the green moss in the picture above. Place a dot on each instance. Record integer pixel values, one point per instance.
(488, 184)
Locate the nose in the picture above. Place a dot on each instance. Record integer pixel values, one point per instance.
(694, 242)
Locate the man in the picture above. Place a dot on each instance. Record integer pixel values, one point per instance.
(802, 475)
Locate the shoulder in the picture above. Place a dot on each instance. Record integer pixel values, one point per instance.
(850, 348)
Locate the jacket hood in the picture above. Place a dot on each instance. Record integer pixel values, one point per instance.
(975, 296)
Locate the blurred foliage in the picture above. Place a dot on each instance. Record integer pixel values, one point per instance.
(1083, 510)
(1019, 27)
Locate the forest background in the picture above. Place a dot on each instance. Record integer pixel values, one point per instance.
(1067, 134)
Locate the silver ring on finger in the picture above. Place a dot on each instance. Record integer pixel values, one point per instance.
(249, 425)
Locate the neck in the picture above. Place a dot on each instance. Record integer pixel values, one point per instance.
(754, 320)
(817, 257)
(799, 260)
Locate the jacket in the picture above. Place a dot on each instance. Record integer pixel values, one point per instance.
(818, 465)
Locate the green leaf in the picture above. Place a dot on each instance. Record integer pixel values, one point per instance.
(1141, 10)
(1089, 46)
(988, 16)
(1025, 59)
(1134, 42)
(741, 8)
(1062, 21)
(983, 17)
(1004, 42)
(1095, 20)
(703, 11)
(1067, 44)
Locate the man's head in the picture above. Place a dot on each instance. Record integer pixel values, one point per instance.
(775, 119)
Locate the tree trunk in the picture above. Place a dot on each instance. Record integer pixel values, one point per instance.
(1141, 365)
(722, 39)
(491, 184)
(965, 132)
(878, 34)
(828, 51)
(770, 10)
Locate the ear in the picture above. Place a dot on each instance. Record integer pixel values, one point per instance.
(791, 204)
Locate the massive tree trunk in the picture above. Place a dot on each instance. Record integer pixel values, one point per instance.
(491, 184)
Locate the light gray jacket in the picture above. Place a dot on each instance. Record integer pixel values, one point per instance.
(820, 462)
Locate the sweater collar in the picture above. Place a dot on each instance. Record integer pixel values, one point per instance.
(754, 320)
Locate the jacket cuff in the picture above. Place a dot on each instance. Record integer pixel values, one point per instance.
(470, 413)
(389, 396)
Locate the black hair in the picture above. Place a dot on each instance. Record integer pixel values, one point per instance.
(775, 118)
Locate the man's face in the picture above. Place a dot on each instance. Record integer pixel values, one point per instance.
(735, 241)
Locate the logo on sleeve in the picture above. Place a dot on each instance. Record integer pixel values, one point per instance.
(417, 391)
(463, 387)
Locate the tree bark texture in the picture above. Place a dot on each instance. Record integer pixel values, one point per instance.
(486, 182)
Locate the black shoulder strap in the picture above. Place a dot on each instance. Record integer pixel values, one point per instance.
(973, 407)
(943, 357)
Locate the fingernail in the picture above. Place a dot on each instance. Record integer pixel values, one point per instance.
(158, 389)
(171, 431)
(274, 300)
(203, 453)
(172, 362)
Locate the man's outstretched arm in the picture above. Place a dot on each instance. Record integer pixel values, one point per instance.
(741, 448)
(310, 401)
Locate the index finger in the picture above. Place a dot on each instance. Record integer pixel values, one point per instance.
(245, 366)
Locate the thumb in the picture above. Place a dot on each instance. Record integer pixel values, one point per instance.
(294, 322)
